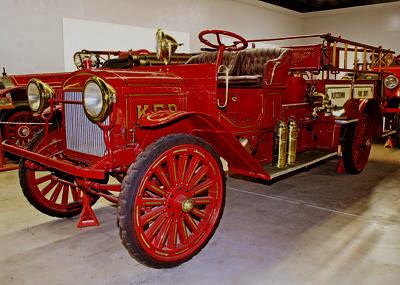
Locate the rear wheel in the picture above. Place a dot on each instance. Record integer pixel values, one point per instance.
(51, 192)
(357, 145)
(397, 134)
(172, 200)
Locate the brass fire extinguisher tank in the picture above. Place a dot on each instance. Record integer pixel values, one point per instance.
(292, 141)
(280, 144)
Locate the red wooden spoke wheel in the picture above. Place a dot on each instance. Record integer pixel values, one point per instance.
(51, 192)
(171, 201)
(238, 42)
(21, 128)
(357, 146)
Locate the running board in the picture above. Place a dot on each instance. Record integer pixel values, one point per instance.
(304, 160)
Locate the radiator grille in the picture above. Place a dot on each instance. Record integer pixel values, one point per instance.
(81, 134)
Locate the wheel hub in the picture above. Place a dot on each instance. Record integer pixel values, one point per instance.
(181, 203)
(187, 205)
(24, 131)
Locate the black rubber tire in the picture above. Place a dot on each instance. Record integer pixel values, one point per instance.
(397, 134)
(129, 189)
(347, 148)
(32, 199)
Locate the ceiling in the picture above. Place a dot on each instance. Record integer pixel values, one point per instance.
(305, 6)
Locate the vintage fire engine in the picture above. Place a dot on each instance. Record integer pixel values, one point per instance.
(162, 129)
(391, 111)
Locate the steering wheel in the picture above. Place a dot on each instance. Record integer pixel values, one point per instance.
(238, 43)
(79, 56)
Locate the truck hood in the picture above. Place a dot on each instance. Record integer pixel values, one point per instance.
(135, 81)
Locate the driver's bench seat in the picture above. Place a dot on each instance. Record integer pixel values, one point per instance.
(229, 59)
(246, 67)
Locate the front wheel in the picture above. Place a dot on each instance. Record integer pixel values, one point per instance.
(172, 200)
(357, 145)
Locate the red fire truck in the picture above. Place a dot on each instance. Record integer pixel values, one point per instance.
(391, 106)
(161, 128)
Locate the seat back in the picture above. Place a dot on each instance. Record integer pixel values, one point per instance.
(229, 59)
(253, 61)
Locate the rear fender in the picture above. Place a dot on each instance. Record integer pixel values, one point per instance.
(156, 125)
(371, 107)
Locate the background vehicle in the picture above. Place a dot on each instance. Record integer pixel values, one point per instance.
(18, 125)
(391, 110)
(162, 128)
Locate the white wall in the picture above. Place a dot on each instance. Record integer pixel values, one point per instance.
(80, 34)
(32, 30)
(31, 34)
(374, 24)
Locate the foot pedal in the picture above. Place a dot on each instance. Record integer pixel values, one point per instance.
(88, 217)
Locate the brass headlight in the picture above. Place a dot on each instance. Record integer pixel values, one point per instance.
(98, 97)
(39, 94)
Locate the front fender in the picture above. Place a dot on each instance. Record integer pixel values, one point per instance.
(156, 125)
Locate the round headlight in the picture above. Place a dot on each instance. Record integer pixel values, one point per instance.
(391, 82)
(38, 95)
(97, 99)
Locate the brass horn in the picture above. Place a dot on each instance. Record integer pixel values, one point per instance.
(166, 46)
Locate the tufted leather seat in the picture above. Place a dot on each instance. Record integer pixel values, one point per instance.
(246, 67)
(252, 61)
(230, 59)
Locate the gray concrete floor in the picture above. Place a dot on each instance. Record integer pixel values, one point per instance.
(315, 227)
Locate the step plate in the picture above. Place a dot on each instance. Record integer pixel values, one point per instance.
(304, 159)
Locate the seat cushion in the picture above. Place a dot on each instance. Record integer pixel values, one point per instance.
(229, 59)
(253, 61)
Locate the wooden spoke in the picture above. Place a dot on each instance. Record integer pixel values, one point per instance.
(183, 234)
(48, 187)
(65, 195)
(155, 189)
(199, 213)
(148, 217)
(43, 179)
(202, 200)
(155, 226)
(203, 187)
(191, 168)
(56, 193)
(198, 176)
(191, 224)
(151, 202)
